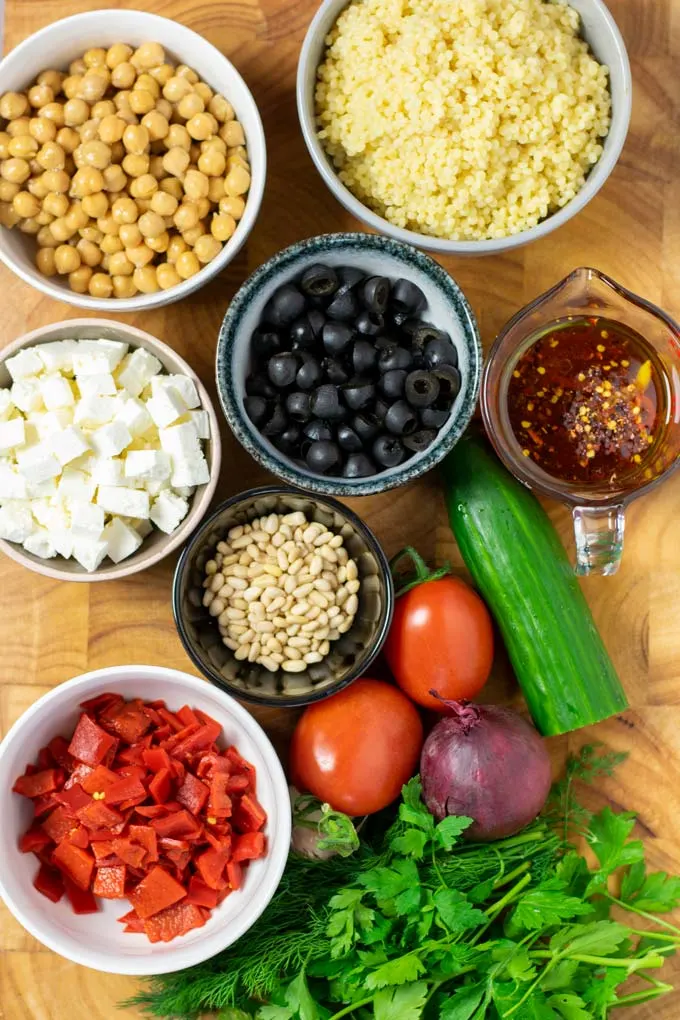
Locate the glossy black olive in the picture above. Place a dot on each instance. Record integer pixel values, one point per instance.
(394, 357)
(358, 393)
(409, 327)
(375, 292)
(392, 383)
(385, 343)
(276, 423)
(323, 456)
(434, 417)
(440, 352)
(348, 439)
(259, 386)
(325, 403)
(448, 378)
(309, 373)
(256, 409)
(289, 440)
(317, 430)
(401, 419)
(366, 426)
(284, 306)
(282, 369)
(345, 304)
(380, 409)
(336, 372)
(364, 356)
(388, 451)
(264, 343)
(305, 330)
(358, 465)
(369, 323)
(406, 297)
(349, 276)
(425, 332)
(421, 388)
(297, 406)
(319, 281)
(336, 336)
(419, 441)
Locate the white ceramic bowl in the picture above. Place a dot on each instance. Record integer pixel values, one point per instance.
(157, 544)
(602, 34)
(98, 940)
(55, 46)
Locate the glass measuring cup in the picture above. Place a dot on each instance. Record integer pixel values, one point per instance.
(598, 509)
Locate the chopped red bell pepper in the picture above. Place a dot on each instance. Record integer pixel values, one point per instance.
(79, 837)
(248, 847)
(156, 758)
(99, 780)
(72, 799)
(129, 853)
(132, 923)
(126, 788)
(78, 775)
(235, 874)
(115, 830)
(59, 823)
(177, 770)
(42, 805)
(146, 837)
(192, 794)
(49, 882)
(45, 759)
(155, 892)
(198, 740)
(134, 755)
(219, 803)
(163, 733)
(210, 865)
(101, 702)
(110, 882)
(76, 863)
(218, 840)
(82, 900)
(40, 783)
(186, 716)
(201, 894)
(152, 810)
(239, 764)
(238, 784)
(175, 724)
(34, 839)
(102, 850)
(249, 815)
(205, 718)
(59, 750)
(90, 743)
(160, 786)
(180, 823)
(126, 720)
(173, 921)
(96, 815)
(210, 763)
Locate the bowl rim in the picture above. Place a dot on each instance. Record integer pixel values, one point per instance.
(126, 568)
(295, 700)
(144, 302)
(279, 842)
(595, 180)
(286, 259)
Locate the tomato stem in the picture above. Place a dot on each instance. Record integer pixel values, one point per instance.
(423, 574)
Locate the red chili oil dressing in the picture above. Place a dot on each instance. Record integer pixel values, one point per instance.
(586, 402)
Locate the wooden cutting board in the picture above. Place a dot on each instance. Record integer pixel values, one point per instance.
(50, 631)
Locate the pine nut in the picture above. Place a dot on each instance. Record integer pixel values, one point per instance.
(292, 653)
(208, 596)
(333, 634)
(353, 587)
(328, 554)
(324, 538)
(293, 667)
(313, 613)
(303, 589)
(263, 627)
(332, 612)
(255, 569)
(298, 642)
(236, 570)
(282, 560)
(272, 645)
(278, 540)
(295, 566)
(311, 657)
(322, 585)
(235, 532)
(281, 636)
(216, 582)
(269, 663)
(274, 569)
(310, 534)
(294, 519)
(276, 604)
(253, 551)
(238, 583)
(211, 567)
(344, 627)
(351, 605)
(226, 591)
(300, 608)
(292, 630)
(277, 657)
(336, 541)
(342, 575)
(271, 525)
(216, 607)
(324, 648)
(223, 548)
(254, 652)
(341, 596)
(256, 611)
(241, 543)
(317, 598)
(229, 643)
(236, 614)
(316, 566)
(342, 556)
(250, 594)
(238, 631)
(352, 571)
(242, 652)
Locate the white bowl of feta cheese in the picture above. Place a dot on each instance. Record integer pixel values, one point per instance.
(109, 450)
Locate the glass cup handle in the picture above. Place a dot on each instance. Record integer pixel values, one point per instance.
(599, 539)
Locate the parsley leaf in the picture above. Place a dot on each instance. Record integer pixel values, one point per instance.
(449, 829)
(274, 1013)
(571, 1007)
(545, 907)
(656, 892)
(463, 1003)
(601, 990)
(410, 843)
(396, 972)
(561, 976)
(608, 836)
(387, 883)
(455, 911)
(513, 959)
(348, 919)
(300, 1000)
(403, 1003)
(601, 938)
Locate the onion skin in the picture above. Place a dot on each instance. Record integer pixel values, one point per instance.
(487, 763)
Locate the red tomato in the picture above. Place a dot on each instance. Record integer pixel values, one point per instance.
(356, 750)
(441, 639)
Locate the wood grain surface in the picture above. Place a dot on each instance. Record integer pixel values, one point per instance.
(50, 630)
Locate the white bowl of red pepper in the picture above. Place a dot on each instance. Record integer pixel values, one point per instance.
(161, 801)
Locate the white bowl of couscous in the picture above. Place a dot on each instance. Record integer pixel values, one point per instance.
(118, 207)
(464, 127)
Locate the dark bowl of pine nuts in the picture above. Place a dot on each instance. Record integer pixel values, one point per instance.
(282, 598)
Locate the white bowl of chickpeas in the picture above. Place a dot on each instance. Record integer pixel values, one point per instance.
(132, 161)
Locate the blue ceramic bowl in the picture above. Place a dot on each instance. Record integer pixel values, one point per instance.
(447, 308)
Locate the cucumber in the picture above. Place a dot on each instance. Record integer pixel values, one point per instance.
(521, 569)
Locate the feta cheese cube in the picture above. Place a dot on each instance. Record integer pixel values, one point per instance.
(121, 539)
(180, 440)
(89, 553)
(201, 422)
(87, 520)
(189, 471)
(24, 364)
(154, 487)
(56, 391)
(26, 395)
(40, 544)
(49, 515)
(44, 425)
(143, 528)
(166, 406)
(138, 369)
(110, 439)
(12, 484)
(68, 444)
(168, 511)
(148, 465)
(107, 471)
(12, 433)
(99, 384)
(123, 501)
(94, 411)
(62, 540)
(185, 490)
(6, 403)
(134, 414)
(181, 383)
(57, 356)
(75, 486)
(16, 522)
(98, 356)
(42, 490)
(37, 463)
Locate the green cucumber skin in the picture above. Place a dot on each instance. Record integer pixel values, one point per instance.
(521, 569)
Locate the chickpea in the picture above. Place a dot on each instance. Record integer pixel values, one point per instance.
(124, 210)
(141, 101)
(164, 108)
(237, 181)
(95, 57)
(167, 276)
(151, 224)
(55, 204)
(216, 189)
(42, 129)
(104, 108)
(8, 218)
(194, 152)
(123, 75)
(77, 67)
(121, 101)
(20, 126)
(220, 108)
(149, 54)
(95, 205)
(144, 279)
(204, 91)
(86, 181)
(93, 153)
(120, 265)
(51, 78)
(79, 280)
(160, 243)
(29, 226)
(46, 238)
(136, 166)
(118, 53)
(178, 138)
(203, 206)
(186, 216)
(40, 95)
(66, 259)
(71, 85)
(25, 205)
(94, 84)
(147, 83)
(162, 74)
(114, 179)
(108, 225)
(130, 235)
(44, 218)
(61, 231)
(192, 235)
(53, 112)
(172, 186)
(156, 168)
(156, 124)
(140, 255)
(24, 146)
(215, 143)
(15, 170)
(144, 186)
(90, 254)
(45, 261)
(111, 128)
(124, 286)
(190, 105)
(188, 73)
(76, 112)
(163, 204)
(36, 185)
(196, 185)
(222, 226)
(136, 139)
(100, 285)
(212, 163)
(110, 245)
(202, 126)
(207, 248)
(176, 161)
(56, 180)
(13, 105)
(69, 139)
(187, 265)
(8, 190)
(175, 248)
(176, 88)
(76, 217)
(5, 139)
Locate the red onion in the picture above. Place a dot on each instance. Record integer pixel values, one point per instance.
(487, 763)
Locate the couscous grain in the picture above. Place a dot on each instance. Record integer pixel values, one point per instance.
(462, 119)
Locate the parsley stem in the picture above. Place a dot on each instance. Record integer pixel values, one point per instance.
(661, 935)
(496, 907)
(352, 1006)
(636, 997)
(629, 964)
(534, 984)
(642, 913)
(504, 879)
